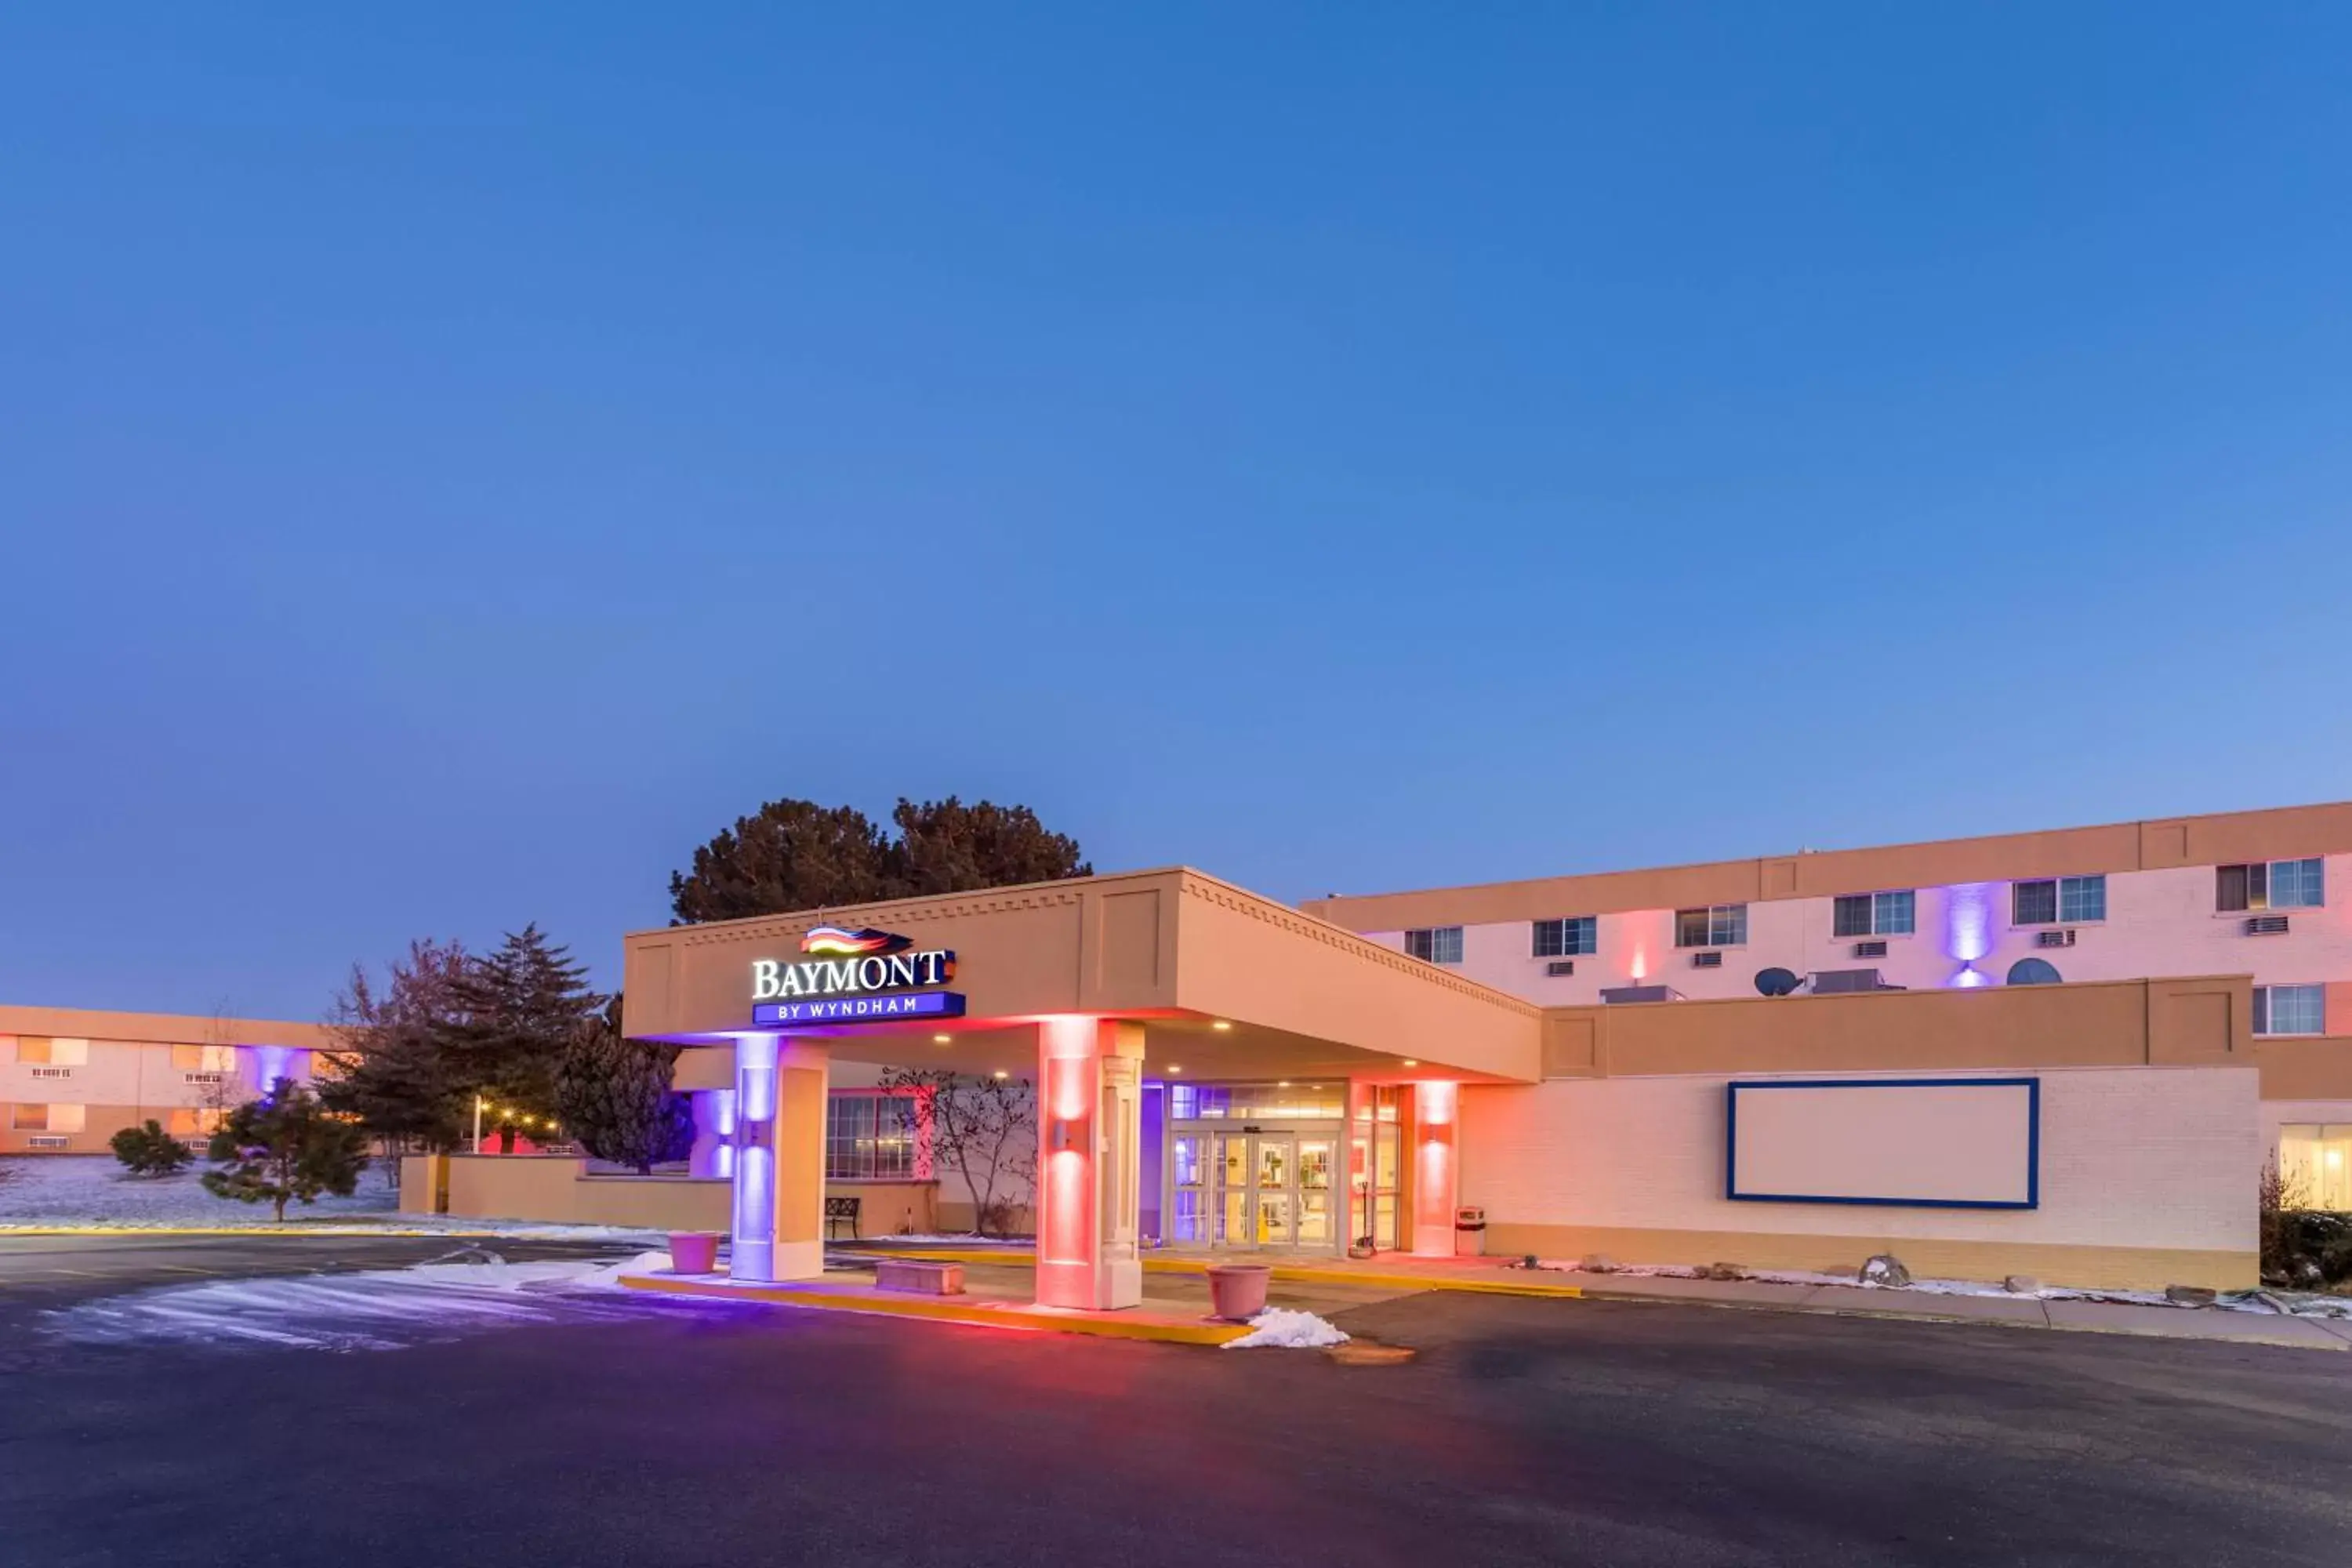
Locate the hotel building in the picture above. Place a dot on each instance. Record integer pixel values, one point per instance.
(2066, 1054)
(70, 1079)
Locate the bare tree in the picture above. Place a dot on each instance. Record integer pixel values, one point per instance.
(983, 1129)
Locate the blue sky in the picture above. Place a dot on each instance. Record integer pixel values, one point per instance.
(453, 463)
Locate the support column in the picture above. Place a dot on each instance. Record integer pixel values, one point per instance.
(1089, 1131)
(778, 1143)
(1436, 1167)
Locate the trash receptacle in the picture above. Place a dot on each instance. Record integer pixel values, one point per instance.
(1470, 1232)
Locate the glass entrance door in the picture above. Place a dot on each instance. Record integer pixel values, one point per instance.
(1257, 1188)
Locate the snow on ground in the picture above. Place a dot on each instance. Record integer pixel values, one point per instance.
(1279, 1328)
(93, 1191)
(2295, 1304)
(372, 1309)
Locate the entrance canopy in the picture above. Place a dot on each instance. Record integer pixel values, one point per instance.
(1225, 985)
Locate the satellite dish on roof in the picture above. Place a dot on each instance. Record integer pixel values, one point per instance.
(2034, 971)
(1776, 981)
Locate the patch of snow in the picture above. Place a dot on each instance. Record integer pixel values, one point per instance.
(370, 1310)
(1279, 1328)
(1917, 1287)
(92, 1191)
(95, 1189)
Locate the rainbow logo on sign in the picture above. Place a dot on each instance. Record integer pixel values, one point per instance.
(839, 941)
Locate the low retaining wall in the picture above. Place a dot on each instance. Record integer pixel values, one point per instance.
(557, 1190)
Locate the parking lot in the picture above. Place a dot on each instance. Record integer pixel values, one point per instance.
(1524, 1431)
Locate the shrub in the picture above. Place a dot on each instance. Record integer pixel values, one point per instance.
(149, 1150)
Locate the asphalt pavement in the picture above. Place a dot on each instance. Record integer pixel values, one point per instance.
(1523, 1432)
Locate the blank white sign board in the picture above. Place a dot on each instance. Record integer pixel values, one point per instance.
(1958, 1142)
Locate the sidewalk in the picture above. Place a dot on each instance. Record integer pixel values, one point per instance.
(1488, 1276)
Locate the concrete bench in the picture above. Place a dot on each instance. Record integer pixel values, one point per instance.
(918, 1277)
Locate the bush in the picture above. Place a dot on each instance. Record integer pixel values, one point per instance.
(2302, 1248)
(149, 1150)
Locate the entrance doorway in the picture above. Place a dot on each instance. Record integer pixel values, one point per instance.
(1260, 1187)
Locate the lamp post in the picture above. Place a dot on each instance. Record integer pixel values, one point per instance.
(477, 1124)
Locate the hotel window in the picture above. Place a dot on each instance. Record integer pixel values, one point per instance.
(2289, 1009)
(1576, 938)
(2315, 1166)
(42, 1051)
(2271, 885)
(1717, 925)
(2061, 900)
(868, 1139)
(48, 1118)
(203, 1059)
(1440, 944)
(1875, 914)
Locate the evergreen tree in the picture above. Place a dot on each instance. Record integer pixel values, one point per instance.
(520, 1006)
(946, 846)
(615, 1099)
(395, 1070)
(794, 855)
(148, 1150)
(789, 854)
(286, 1148)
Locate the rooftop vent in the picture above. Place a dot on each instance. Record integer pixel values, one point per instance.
(1836, 982)
(1615, 993)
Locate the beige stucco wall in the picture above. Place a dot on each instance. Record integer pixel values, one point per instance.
(554, 1189)
(2147, 1178)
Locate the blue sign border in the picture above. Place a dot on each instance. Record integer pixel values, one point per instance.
(2032, 1086)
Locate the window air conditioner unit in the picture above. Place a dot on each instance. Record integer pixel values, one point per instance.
(1870, 950)
(53, 1072)
(2054, 938)
(205, 1076)
(48, 1141)
(1559, 966)
(1706, 961)
(2266, 925)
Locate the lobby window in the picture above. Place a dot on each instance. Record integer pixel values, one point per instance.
(2289, 1009)
(48, 1118)
(42, 1051)
(1575, 938)
(867, 1138)
(2315, 1166)
(1717, 925)
(2271, 885)
(2059, 901)
(1875, 914)
(1438, 944)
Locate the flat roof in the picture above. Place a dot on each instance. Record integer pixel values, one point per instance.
(2153, 844)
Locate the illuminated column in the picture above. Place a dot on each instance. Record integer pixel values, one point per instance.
(713, 1155)
(1436, 1168)
(779, 1090)
(1089, 1131)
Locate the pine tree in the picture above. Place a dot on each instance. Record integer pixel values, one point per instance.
(148, 1150)
(395, 1070)
(521, 1007)
(286, 1148)
(615, 1099)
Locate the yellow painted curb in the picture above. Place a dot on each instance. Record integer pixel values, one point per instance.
(1289, 1273)
(347, 1233)
(939, 1309)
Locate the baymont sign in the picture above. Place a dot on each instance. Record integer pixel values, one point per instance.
(850, 964)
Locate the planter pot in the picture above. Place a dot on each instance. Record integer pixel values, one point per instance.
(1237, 1290)
(693, 1252)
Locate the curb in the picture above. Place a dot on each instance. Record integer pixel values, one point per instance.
(1293, 1274)
(976, 1315)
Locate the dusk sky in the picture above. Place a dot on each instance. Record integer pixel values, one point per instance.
(454, 460)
